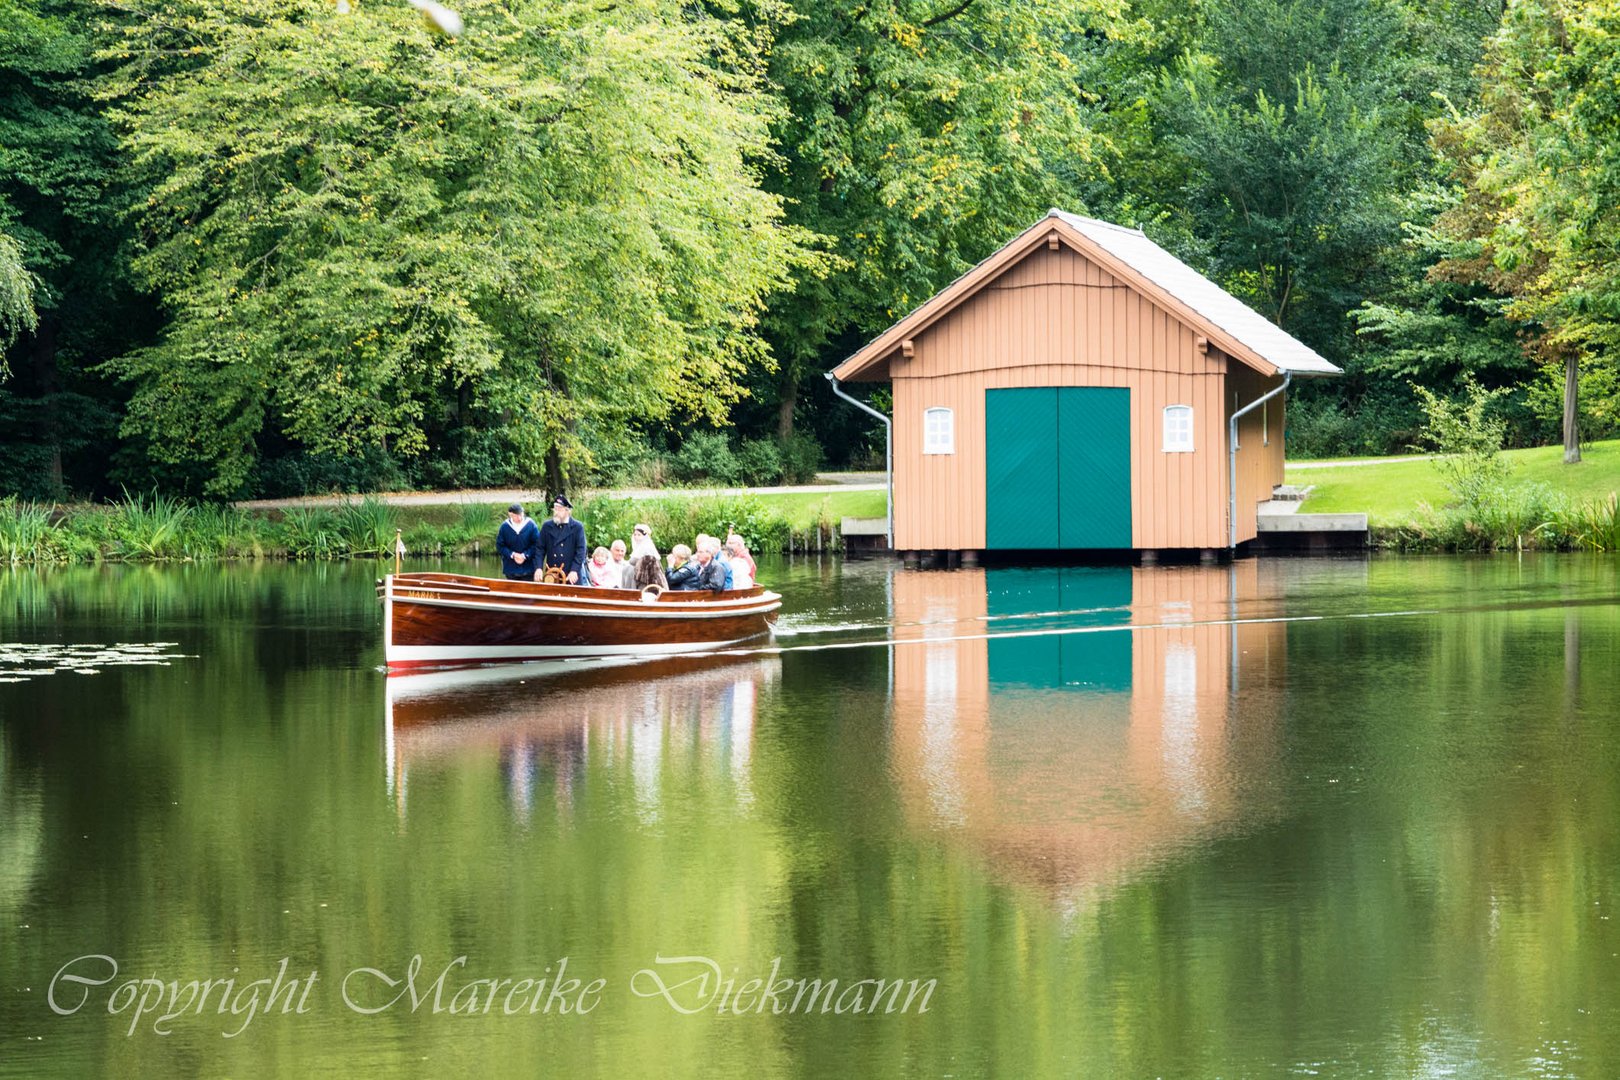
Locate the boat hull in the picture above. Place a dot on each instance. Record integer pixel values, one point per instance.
(449, 620)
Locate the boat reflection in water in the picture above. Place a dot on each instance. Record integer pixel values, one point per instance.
(1075, 760)
(551, 720)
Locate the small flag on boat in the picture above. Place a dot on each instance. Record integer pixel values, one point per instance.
(399, 544)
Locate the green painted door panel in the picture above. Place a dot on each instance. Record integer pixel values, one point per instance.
(1021, 484)
(1094, 466)
(1059, 598)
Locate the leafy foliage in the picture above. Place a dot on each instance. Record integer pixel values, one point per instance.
(365, 235)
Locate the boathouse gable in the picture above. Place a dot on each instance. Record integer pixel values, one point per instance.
(1055, 397)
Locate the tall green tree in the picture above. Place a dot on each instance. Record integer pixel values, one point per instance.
(1538, 161)
(65, 279)
(920, 135)
(1285, 113)
(368, 235)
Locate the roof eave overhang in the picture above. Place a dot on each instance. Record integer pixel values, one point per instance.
(863, 366)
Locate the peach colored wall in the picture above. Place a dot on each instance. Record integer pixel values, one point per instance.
(1075, 789)
(1056, 319)
(1260, 444)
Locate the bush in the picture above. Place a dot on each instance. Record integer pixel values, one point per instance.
(705, 457)
(306, 473)
(759, 462)
(1469, 442)
(678, 521)
(469, 458)
(801, 458)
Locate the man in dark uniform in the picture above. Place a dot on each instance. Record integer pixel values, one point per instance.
(562, 542)
(515, 541)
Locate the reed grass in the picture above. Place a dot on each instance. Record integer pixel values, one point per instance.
(25, 532)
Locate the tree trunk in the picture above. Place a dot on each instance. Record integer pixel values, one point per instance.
(1572, 429)
(48, 383)
(556, 482)
(784, 411)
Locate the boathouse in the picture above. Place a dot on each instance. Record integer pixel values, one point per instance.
(1082, 389)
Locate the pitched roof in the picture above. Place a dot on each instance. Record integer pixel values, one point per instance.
(1129, 255)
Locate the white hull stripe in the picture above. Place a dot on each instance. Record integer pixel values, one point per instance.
(445, 653)
(667, 613)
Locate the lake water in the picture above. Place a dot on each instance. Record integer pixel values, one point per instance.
(1314, 817)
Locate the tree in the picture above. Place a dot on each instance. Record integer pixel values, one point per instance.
(1538, 162)
(365, 235)
(920, 135)
(1286, 116)
(64, 267)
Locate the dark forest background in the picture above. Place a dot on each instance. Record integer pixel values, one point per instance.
(258, 250)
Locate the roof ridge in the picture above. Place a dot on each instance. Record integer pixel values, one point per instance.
(1070, 216)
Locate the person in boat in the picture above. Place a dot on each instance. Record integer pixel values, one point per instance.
(644, 567)
(516, 541)
(620, 565)
(722, 556)
(601, 572)
(683, 569)
(711, 571)
(562, 543)
(742, 560)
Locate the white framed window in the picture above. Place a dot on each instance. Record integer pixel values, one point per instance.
(939, 431)
(1178, 429)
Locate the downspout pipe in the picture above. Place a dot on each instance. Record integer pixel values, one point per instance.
(1231, 457)
(888, 451)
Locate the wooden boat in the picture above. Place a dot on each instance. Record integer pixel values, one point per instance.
(450, 620)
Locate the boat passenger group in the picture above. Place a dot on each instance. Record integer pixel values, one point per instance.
(556, 552)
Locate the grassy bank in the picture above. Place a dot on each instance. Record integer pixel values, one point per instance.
(1543, 503)
(155, 527)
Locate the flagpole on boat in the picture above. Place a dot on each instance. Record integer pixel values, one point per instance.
(399, 548)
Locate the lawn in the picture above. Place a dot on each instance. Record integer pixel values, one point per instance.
(1389, 493)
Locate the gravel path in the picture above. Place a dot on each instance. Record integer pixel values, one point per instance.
(535, 497)
(1353, 462)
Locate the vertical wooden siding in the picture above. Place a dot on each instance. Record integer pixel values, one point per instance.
(1056, 319)
(1260, 444)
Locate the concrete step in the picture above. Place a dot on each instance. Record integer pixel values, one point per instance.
(854, 526)
(1297, 522)
(1291, 492)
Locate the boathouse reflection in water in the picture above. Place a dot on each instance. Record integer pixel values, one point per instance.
(1075, 725)
(1103, 718)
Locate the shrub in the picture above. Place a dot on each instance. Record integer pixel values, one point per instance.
(759, 462)
(305, 473)
(1469, 443)
(801, 458)
(705, 457)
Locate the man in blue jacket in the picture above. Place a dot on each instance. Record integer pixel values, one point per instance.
(516, 540)
(562, 541)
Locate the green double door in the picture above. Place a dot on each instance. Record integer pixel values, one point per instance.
(1058, 467)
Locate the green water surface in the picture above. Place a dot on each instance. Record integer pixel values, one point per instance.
(1315, 817)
